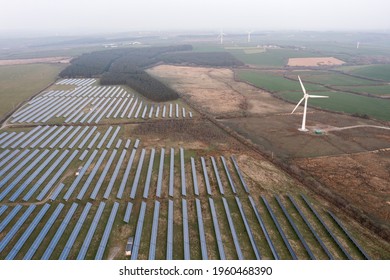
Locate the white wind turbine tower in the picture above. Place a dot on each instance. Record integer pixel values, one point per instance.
(249, 36)
(305, 97)
(221, 36)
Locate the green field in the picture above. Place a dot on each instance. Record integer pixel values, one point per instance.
(271, 57)
(381, 72)
(273, 82)
(339, 101)
(19, 82)
(347, 103)
(374, 90)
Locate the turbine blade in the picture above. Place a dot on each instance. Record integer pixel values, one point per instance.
(318, 96)
(302, 86)
(299, 103)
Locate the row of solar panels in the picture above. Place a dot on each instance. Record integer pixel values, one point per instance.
(73, 109)
(76, 82)
(22, 163)
(232, 221)
(66, 224)
(86, 91)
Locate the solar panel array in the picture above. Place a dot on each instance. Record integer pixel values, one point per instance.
(88, 103)
(41, 161)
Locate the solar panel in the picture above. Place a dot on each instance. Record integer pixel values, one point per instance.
(264, 229)
(239, 173)
(217, 230)
(183, 173)
(107, 231)
(149, 174)
(3, 208)
(11, 155)
(194, 179)
(186, 235)
(349, 236)
(164, 111)
(56, 238)
(95, 138)
(138, 232)
(312, 230)
(16, 227)
(26, 234)
(120, 108)
(86, 138)
(84, 154)
(91, 175)
(328, 230)
(138, 110)
(132, 109)
(170, 110)
(91, 232)
(11, 140)
(103, 175)
(17, 168)
(22, 174)
(128, 142)
(160, 173)
(232, 229)
(67, 139)
(129, 207)
(78, 137)
(206, 177)
(59, 173)
(220, 186)
(137, 175)
(41, 138)
(104, 137)
(126, 174)
(280, 230)
(202, 236)
(248, 229)
(15, 161)
(126, 108)
(228, 175)
(295, 228)
(59, 138)
(34, 247)
(171, 172)
(113, 137)
(118, 144)
(57, 191)
(80, 176)
(26, 136)
(69, 244)
(144, 112)
(37, 171)
(114, 175)
(9, 217)
(48, 140)
(170, 231)
(153, 236)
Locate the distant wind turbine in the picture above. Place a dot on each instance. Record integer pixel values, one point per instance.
(220, 36)
(305, 97)
(249, 36)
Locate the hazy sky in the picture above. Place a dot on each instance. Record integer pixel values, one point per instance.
(86, 16)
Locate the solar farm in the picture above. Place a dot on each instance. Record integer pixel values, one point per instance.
(75, 183)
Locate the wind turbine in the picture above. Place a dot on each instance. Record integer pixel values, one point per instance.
(221, 36)
(305, 97)
(249, 36)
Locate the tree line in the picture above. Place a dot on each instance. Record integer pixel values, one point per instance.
(127, 67)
